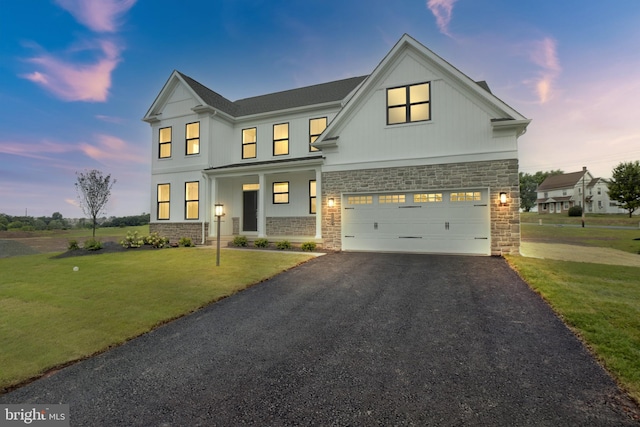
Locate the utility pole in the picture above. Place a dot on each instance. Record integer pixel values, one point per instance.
(584, 173)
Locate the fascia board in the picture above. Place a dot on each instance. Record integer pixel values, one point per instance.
(173, 80)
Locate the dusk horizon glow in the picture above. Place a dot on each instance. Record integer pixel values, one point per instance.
(78, 76)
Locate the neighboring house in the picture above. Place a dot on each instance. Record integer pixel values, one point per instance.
(411, 158)
(558, 193)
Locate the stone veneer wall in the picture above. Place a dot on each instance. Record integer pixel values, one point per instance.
(498, 175)
(291, 226)
(176, 230)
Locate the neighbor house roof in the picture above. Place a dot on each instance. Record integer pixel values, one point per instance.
(300, 97)
(564, 180)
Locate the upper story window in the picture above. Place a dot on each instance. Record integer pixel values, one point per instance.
(316, 127)
(193, 138)
(280, 192)
(408, 104)
(249, 143)
(281, 139)
(164, 200)
(165, 143)
(191, 200)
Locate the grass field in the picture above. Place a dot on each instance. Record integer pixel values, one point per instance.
(600, 302)
(50, 314)
(590, 219)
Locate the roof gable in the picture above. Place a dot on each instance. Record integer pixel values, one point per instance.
(565, 180)
(507, 116)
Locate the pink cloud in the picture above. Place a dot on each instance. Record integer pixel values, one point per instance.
(100, 16)
(442, 10)
(109, 148)
(77, 82)
(543, 53)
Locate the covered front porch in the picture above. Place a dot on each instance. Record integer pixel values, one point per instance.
(274, 200)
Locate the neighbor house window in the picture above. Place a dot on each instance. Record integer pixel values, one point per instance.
(191, 200)
(249, 141)
(280, 192)
(408, 104)
(165, 143)
(164, 197)
(312, 196)
(193, 138)
(281, 139)
(316, 127)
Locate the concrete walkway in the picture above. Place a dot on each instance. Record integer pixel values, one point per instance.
(577, 253)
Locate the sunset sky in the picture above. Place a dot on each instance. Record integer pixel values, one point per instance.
(76, 76)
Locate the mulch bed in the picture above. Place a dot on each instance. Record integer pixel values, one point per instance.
(107, 248)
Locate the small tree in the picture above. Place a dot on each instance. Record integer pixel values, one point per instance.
(94, 191)
(624, 186)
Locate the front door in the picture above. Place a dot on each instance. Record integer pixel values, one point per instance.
(250, 211)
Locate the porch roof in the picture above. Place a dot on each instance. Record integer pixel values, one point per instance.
(267, 164)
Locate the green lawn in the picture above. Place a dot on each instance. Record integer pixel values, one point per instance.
(50, 314)
(590, 219)
(624, 240)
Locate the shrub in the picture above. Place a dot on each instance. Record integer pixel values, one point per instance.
(261, 243)
(185, 242)
(240, 241)
(132, 240)
(575, 211)
(73, 245)
(308, 246)
(156, 240)
(92, 245)
(285, 244)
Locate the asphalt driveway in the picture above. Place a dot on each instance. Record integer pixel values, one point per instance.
(351, 339)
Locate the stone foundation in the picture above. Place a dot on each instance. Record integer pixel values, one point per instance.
(291, 226)
(176, 230)
(498, 175)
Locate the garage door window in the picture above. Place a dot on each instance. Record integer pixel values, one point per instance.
(468, 196)
(391, 198)
(360, 200)
(427, 198)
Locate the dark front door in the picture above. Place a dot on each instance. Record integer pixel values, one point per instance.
(250, 211)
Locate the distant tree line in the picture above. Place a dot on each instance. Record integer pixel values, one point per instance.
(57, 222)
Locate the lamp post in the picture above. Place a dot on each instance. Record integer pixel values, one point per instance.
(219, 213)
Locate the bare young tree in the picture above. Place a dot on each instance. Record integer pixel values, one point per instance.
(94, 191)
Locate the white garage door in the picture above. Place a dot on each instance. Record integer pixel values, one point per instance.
(453, 222)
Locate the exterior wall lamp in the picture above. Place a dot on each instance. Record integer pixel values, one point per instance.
(219, 213)
(503, 199)
(331, 203)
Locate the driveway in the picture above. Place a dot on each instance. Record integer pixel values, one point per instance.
(351, 339)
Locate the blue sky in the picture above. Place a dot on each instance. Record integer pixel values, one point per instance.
(76, 76)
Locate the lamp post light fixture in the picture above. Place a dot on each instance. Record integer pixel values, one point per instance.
(503, 199)
(219, 213)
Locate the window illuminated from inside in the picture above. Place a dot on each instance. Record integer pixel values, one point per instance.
(407, 104)
(391, 198)
(165, 143)
(249, 143)
(192, 200)
(427, 198)
(359, 200)
(316, 127)
(193, 138)
(468, 196)
(164, 195)
(250, 187)
(312, 196)
(281, 139)
(280, 192)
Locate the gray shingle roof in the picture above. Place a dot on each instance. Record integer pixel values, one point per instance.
(310, 95)
(565, 180)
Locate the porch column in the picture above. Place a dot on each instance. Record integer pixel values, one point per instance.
(318, 203)
(213, 182)
(262, 194)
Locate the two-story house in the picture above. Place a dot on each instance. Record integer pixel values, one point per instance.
(558, 193)
(415, 157)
